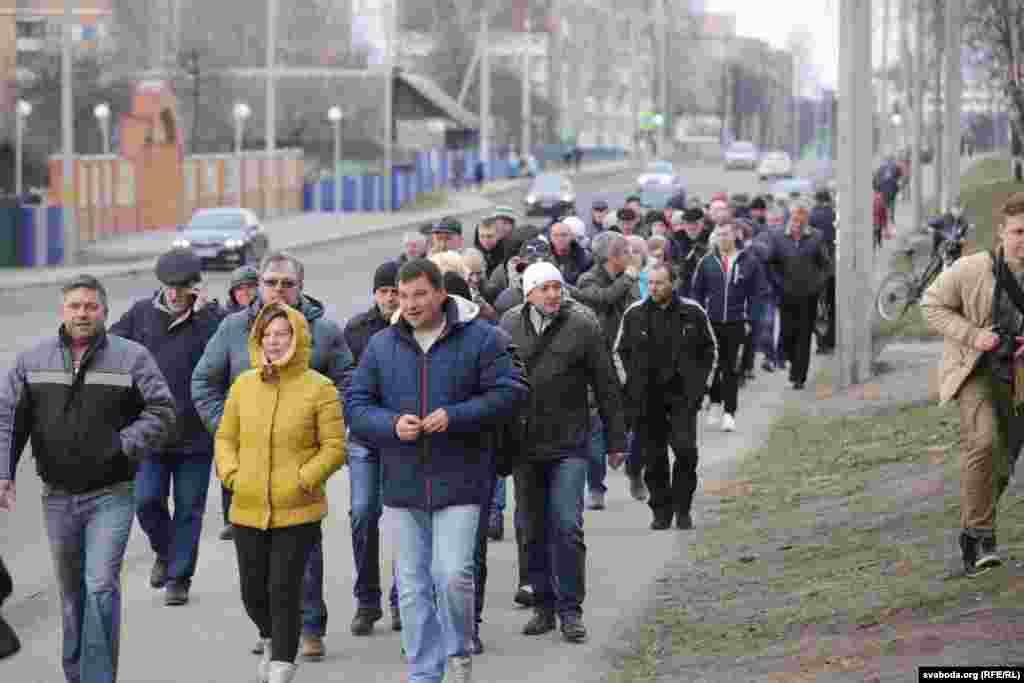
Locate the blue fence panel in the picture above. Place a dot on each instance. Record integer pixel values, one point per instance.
(442, 178)
(327, 194)
(25, 226)
(349, 192)
(307, 197)
(55, 235)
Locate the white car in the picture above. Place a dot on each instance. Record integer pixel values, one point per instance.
(741, 154)
(775, 165)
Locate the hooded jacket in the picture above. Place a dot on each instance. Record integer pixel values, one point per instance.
(280, 439)
(469, 371)
(728, 297)
(89, 428)
(177, 345)
(227, 356)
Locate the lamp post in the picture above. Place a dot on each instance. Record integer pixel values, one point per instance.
(335, 115)
(24, 110)
(241, 113)
(102, 114)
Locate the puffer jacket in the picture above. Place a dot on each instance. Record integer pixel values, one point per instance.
(280, 439)
(958, 305)
(728, 297)
(89, 428)
(177, 345)
(227, 356)
(576, 360)
(469, 371)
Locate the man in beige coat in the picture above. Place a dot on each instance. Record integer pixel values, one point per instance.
(959, 306)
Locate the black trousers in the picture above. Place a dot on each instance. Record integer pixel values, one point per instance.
(6, 584)
(270, 565)
(731, 339)
(480, 557)
(670, 421)
(798, 314)
(829, 340)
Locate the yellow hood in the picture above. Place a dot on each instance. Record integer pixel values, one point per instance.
(296, 361)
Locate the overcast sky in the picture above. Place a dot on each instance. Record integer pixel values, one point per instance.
(772, 21)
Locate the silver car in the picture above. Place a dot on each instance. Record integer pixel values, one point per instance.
(227, 236)
(741, 154)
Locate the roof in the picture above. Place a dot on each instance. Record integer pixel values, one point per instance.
(436, 99)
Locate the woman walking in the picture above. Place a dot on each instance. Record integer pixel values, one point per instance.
(282, 436)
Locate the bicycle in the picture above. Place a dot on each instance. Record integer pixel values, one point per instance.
(900, 291)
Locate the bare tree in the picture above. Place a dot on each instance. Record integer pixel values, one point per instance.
(994, 33)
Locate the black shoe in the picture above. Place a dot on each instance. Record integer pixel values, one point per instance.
(525, 596)
(158, 574)
(257, 649)
(798, 386)
(9, 643)
(767, 366)
(476, 646)
(750, 375)
(227, 533)
(989, 555)
(684, 521)
(969, 552)
(573, 629)
(396, 619)
(176, 593)
(543, 621)
(364, 619)
(661, 520)
(496, 529)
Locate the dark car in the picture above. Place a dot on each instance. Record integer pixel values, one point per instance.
(224, 236)
(550, 194)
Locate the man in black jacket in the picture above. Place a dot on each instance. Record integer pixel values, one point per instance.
(365, 470)
(175, 325)
(666, 352)
(93, 405)
(565, 355)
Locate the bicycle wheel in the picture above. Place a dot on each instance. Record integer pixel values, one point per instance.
(894, 296)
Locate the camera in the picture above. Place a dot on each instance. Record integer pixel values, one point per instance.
(1001, 358)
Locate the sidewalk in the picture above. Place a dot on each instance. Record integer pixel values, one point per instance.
(132, 254)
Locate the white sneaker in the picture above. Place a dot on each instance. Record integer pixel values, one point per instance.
(728, 423)
(263, 670)
(714, 414)
(460, 670)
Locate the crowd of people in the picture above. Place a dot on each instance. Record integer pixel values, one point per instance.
(545, 353)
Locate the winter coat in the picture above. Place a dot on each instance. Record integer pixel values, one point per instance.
(495, 258)
(470, 373)
(177, 348)
(802, 266)
(958, 305)
(280, 438)
(227, 356)
(573, 264)
(577, 359)
(728, 297)
(361, 328)
(687, 266)
(823, 219)
(89, 428)
(607, 297)
(693, 352)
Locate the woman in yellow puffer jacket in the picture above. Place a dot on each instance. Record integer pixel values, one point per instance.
(282, 436)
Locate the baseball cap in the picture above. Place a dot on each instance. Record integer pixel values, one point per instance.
(447, 225)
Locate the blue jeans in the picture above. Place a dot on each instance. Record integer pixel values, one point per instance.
(500, 498)
(314, 609)
(365, 475)
(763, 320)
(88, 534)
(597, 465)
(175, 539)
(557, 554)
(436, 585)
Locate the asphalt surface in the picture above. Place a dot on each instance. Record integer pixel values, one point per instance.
(208, 640)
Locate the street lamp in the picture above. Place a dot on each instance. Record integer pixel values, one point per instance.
(24, 111)
(102, 114)
(241, 113)
(335, 116)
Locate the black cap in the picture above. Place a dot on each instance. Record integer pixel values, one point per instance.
(627, 214)
(823, 196)
(426, 229)
(386, 275)
(457, 285)
(447, 225)
(693, 216)
(600, 205)
(759, 204)
(179, 268)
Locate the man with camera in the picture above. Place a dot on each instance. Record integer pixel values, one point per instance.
(977, 305)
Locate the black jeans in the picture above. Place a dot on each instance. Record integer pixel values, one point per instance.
(829, 340)
(731, 338)
(270, 565)
(670, 421)
(480, 557)
(6, 584)
(798, 314)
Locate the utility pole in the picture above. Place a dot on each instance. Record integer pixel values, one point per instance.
(638, 147)
(663, 81)
(939, 152)
(916, 93)
(527, 98)
(69, 201)
(953, 95)
(485, 88)
(884, 103)
(855, 260)
(271, 114)
(389, 101)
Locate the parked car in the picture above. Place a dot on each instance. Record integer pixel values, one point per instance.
(550, 194)
(658, 184)
(792, 188)
(225, 236)
(775, 164)
(741, 154)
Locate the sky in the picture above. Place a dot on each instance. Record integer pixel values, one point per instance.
(772, 22)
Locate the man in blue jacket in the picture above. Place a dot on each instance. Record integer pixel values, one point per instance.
(425, 392)
(726, 283)
(175, 325)
(227, 356)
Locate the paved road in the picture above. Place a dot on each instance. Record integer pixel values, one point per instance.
(209, 639)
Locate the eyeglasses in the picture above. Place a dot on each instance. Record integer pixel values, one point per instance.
(283, 283)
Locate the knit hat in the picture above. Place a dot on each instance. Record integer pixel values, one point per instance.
(501, 212)
(244, 275)
(759, 204)
(693, 216)
(540, 274)
(576, 225)
(386, 275)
